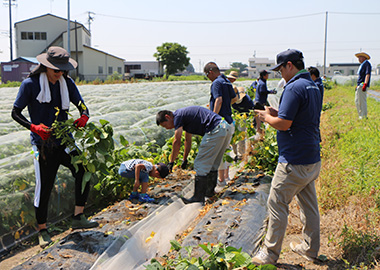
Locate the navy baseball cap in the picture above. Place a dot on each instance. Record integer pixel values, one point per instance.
(264, 72)
(291, 55)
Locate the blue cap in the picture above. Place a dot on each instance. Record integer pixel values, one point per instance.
(291, 55)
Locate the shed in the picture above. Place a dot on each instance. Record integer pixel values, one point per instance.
(17, 69)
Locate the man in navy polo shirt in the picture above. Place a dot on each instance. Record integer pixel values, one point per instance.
(363, 83)
(222, 92)
(315, 76)
(262, 95)
(297, 123)
(216, 134)
(221, 98)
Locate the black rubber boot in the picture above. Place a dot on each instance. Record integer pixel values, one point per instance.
(200, 185)
(212, 179)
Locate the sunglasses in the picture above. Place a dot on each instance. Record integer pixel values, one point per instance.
(57, 71)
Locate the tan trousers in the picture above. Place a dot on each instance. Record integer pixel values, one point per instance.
(361, 101)
(289, 181)
(212, 148)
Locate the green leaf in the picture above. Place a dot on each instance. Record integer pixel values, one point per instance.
(205, 248)
(123, 141)
(175, 245)
(86, 178)
(91, 168)
(103, 122)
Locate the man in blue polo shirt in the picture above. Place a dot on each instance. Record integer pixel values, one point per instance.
(222, 92)
(261, 96)
(315, 76)
(297, 123)
(221, 98)
(216, 134)
(363, 83)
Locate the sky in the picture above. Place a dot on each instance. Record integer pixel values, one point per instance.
(220, 31)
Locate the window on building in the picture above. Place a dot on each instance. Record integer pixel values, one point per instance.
(130, 67)
(33, 35)
(110, 70)
(100, 69)
(119, 70)
(268, 65)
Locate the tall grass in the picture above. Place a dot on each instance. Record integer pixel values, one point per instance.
(350, 173)
(350, 149)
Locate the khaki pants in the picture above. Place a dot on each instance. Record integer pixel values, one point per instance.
(361, 101)
(289, 181)
(212, 148)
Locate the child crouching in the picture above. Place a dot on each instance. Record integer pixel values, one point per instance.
(140, 170)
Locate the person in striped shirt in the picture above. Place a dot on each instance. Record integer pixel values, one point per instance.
(140, 170)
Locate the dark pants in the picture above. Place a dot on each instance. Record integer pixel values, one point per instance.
(48, 162)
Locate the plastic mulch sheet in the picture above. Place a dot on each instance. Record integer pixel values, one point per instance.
(149, 238)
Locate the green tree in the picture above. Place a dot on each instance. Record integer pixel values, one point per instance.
(239, 66)
(173, 56)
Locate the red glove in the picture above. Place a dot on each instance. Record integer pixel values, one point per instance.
(81, 122)
(364, 87)
(41, 130)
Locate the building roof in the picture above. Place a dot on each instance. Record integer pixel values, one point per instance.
(26, 59)
(102, 52)
(48, 14)
(261, 60)
(345, 64)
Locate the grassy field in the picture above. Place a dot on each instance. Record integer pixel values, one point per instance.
(350, 172)
(350, 150)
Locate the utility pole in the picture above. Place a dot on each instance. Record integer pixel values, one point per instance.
(68, 27)
(90, 19)
(10, 25)
(324, 56)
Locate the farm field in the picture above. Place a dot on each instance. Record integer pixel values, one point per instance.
(130, 109)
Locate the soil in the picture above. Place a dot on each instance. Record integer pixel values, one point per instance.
(119, 217)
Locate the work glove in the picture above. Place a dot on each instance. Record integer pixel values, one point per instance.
(42, 130)
(184, 164)
(274, 91)
(81, 122)
(364, 87)
(170, 166)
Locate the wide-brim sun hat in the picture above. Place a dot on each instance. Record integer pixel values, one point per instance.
(57, 58)
(240, 92)
(233, 75)
(366, 55)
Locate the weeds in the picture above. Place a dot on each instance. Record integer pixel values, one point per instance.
(359, 248)
(217, 257)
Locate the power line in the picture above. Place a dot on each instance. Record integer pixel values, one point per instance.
(217, 22)
(354, 13)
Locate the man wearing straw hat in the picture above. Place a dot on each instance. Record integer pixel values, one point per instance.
(48, 87)
(363, 82)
